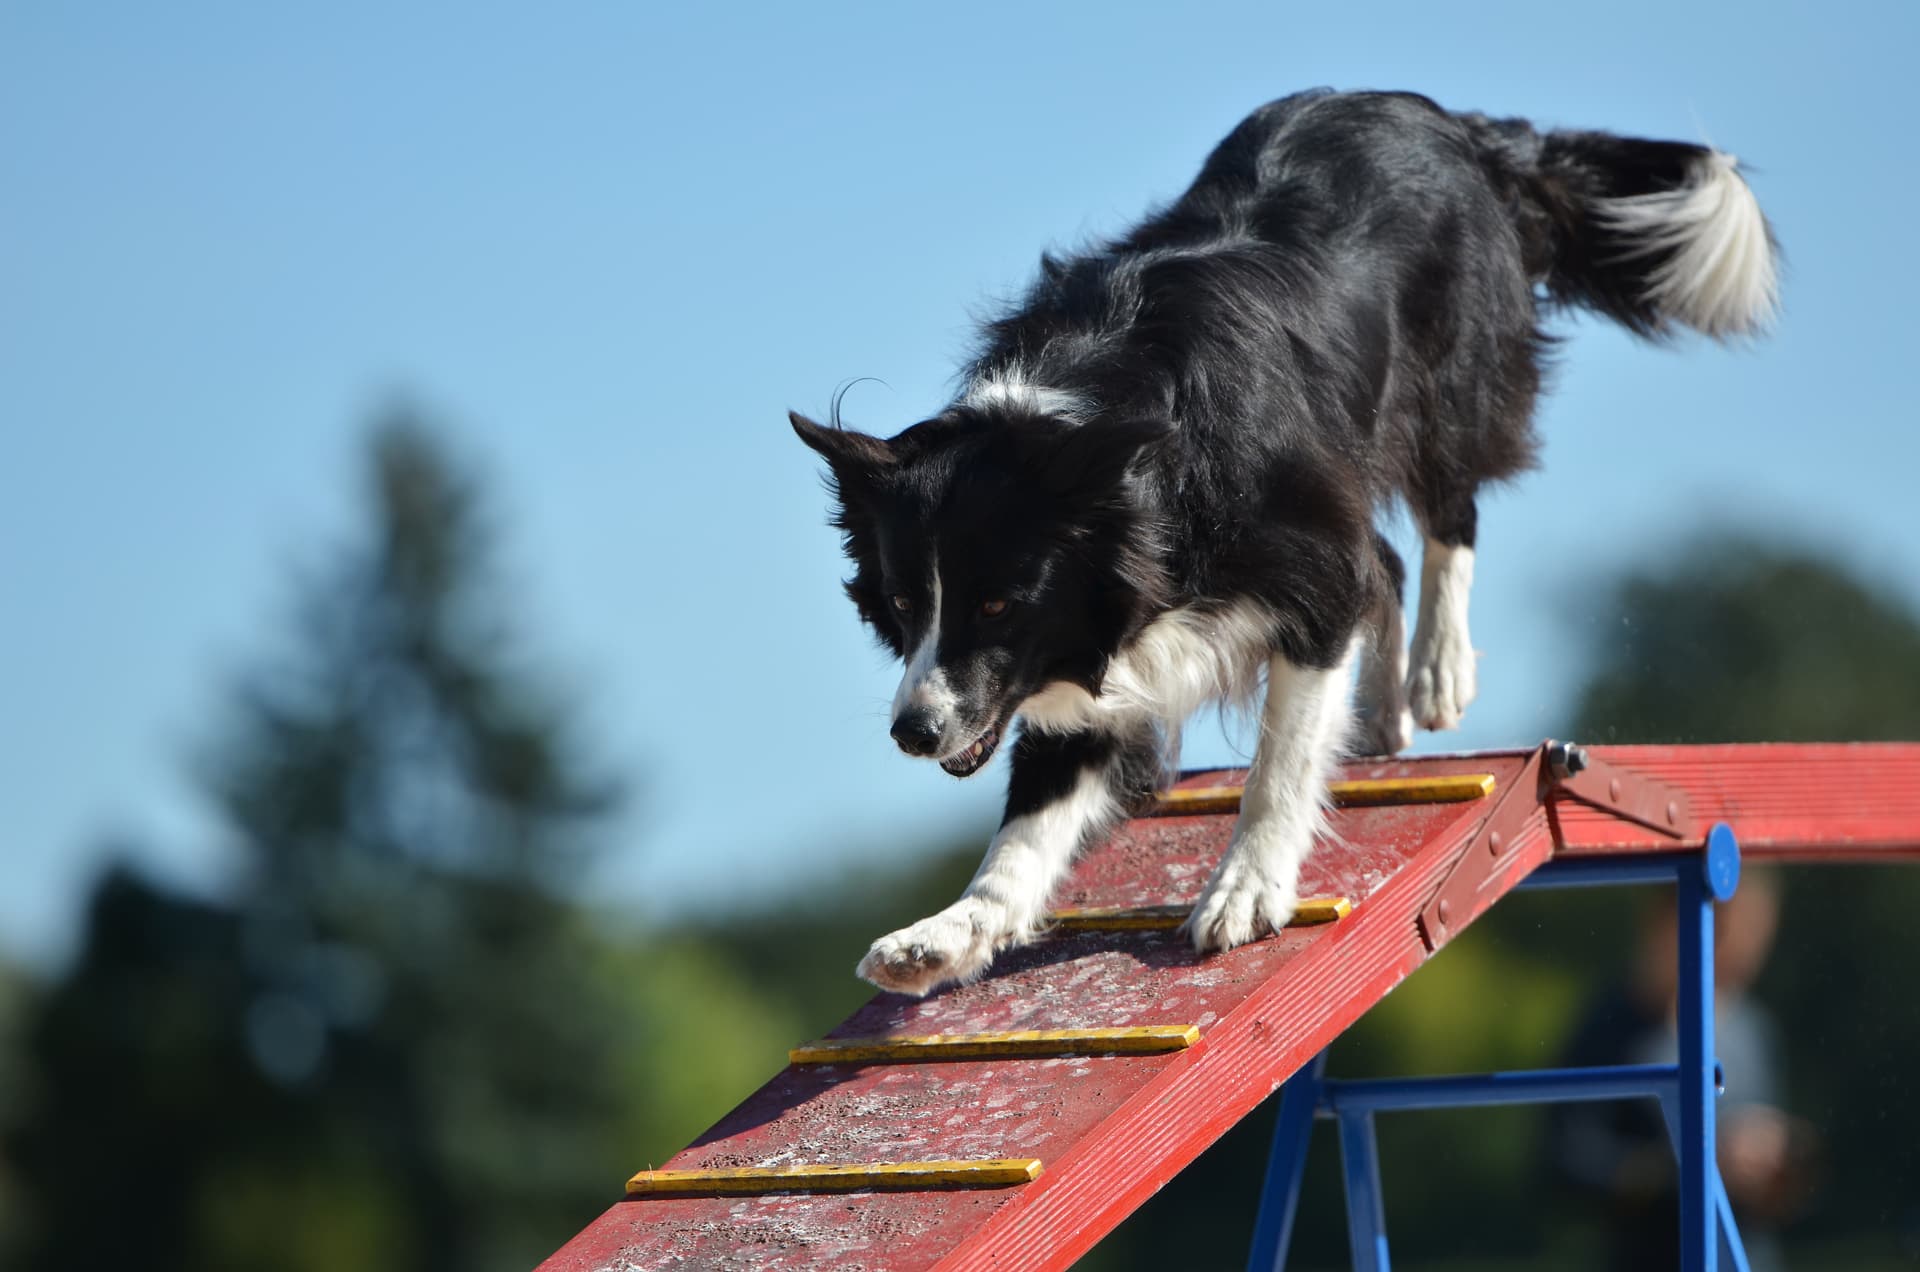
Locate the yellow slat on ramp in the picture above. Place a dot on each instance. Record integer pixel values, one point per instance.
(1450, 788)
(992, 1172)
(1026, 1044)
(1312, 911)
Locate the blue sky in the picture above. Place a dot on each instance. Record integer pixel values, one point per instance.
(610, 244)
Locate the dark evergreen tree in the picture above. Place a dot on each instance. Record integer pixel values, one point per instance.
(397, 1045)
(1747, 641)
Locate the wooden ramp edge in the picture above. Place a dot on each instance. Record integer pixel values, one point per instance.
(1062, 1090)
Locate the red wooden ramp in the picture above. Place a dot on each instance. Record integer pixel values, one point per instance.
(1026, 1162)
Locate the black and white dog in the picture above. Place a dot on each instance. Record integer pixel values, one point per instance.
(1161, 475)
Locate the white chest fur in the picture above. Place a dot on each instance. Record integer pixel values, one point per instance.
(1178, 663)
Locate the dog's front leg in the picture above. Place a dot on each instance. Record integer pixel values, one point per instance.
(1064, 790)
(1443, 676)
(1302, 726)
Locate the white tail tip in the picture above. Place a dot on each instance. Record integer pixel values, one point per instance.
(1717, 272)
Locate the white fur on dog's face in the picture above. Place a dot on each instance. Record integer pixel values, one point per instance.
(924, 684)
(930, 687)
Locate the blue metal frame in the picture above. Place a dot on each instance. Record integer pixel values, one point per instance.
(1686, 1091)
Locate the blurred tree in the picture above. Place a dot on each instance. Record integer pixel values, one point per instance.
(399, 1046)
(1746, 641)
(16, 995)
(802, 954)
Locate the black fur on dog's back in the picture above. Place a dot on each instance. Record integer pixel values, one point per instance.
(1336, 311)
(1339, 309)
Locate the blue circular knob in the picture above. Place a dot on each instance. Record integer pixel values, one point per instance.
(1723, 861)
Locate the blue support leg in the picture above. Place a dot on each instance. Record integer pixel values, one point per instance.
(1731, 1246)
(1686, 1091)
(1366, 1214)
(1286, 1162)
(1699, 1250)
(1714, 878)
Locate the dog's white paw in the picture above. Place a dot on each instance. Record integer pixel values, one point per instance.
(1385, 723)
(1242, 903)
(1385, 729)
(953, 945)
(1443, 679)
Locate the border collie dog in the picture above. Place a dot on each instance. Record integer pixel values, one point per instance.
(1159, 481)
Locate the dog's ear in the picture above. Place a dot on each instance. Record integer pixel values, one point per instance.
(852, 456)
(1089, 461)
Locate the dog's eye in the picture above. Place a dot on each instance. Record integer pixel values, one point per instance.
(992, 609)
(902, 603)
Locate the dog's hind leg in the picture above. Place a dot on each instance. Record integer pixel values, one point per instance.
(1385, 726)
(1303, 726)
(1442, 678)
(1065, 789)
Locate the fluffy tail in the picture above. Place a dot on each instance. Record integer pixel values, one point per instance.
(1650, 233)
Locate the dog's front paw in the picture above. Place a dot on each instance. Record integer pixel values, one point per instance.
(953, 945)
(1241, 903)
(1442, 681)
(1384, 730)
(1385, 724)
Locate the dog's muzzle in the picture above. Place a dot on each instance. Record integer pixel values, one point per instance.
(974, 756)
(920, 731)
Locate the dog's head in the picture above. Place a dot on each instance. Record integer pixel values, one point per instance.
(997, 553)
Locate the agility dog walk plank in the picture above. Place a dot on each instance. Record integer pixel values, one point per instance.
(1103, 1132)
(1789, 802)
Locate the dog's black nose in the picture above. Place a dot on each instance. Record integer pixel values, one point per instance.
(917, 731)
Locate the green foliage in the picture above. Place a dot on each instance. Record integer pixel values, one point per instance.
(16, 1002)
(1747, 641)
(394, 1045)
(802, 956)
(706, 1036)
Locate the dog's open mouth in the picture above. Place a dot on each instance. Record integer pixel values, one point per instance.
(969, 761)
